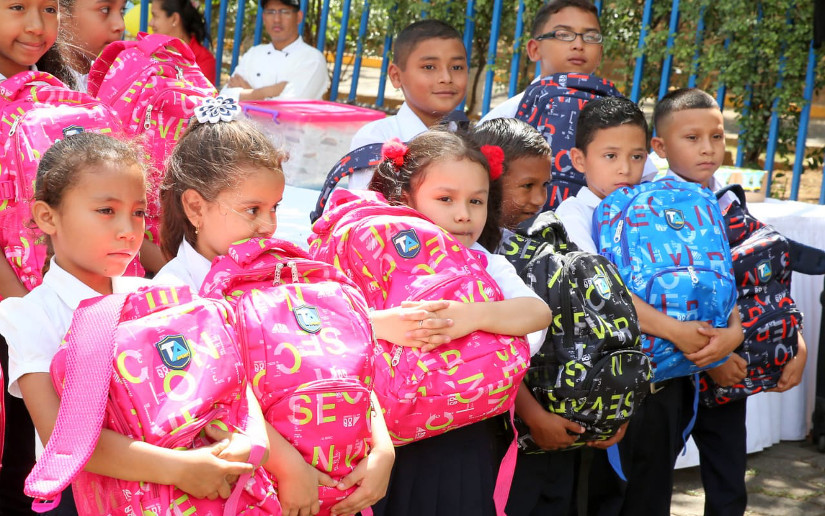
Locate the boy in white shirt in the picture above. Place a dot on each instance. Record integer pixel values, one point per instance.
(430, 66)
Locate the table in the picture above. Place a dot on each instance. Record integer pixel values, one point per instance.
(786, 416)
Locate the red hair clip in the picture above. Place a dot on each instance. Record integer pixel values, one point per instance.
(495, 158)
(394, 150)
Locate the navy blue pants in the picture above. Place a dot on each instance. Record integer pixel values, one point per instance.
(721, 438)
(544, 483)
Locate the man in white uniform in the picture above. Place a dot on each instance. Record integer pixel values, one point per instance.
(286, 68)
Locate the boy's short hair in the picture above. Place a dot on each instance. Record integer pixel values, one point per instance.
(554, 6)
(517, 138)
(680, 100)
(605, 113)
(415, 33)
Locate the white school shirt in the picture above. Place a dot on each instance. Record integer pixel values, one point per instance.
(576, 214)
(302, 66)
(405, 126)
(34, 325)
(188, 268)
(508, 108)
(511, 286)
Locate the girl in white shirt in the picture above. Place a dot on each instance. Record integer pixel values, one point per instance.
(89, 201)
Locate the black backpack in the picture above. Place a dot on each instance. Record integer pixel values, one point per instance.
(590, 369)
(770, 318)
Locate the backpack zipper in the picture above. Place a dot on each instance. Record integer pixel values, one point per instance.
(14, 125)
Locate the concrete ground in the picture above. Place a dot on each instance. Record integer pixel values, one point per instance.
(787, 479)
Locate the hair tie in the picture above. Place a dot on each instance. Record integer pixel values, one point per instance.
(394, 150)
(218, 109)
(495, 158)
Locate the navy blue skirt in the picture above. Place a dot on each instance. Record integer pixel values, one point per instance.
(451, 474)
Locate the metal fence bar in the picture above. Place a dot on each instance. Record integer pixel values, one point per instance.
(359, 51)
(667, 64)
(259, 25)
(804, 119)
(469, 31)
(721, 91)
(144, 15)
(322, 27)
(700, 37)
(207, 15)
(636, 91)
(516, 61)
(339, 53)
(304, 6)
(773, 126)
(491, 57)
(236, 47)
(219, 44)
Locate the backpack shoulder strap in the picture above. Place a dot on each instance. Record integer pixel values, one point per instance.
(89, 356)
(362, 157)
(16, 84)
(737, 190)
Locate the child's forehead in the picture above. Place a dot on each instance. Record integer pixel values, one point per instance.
(692, 117)
(624, 136)
(572, 17)
(443, 48)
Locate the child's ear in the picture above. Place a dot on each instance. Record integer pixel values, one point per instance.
(577, 158)
(658, 146)
(394, 72)
(44, 216)
(533, 51)
(194, 206)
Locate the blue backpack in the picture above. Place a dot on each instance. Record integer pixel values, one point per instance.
(552, 105)
(668, 240)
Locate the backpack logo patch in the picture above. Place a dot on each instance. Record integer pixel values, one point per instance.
(175, 352)
(675, 218)
(602, 286)
(307, 318)
(407, 243)
(763, 270)
(72, 130)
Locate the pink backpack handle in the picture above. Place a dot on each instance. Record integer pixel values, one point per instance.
(147, 44)
(16, 84)
(83, 405)
(247, 253)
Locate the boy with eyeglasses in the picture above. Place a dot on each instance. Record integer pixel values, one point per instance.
(567, 44)
(286, 68)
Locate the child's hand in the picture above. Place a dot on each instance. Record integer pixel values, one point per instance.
(238, 449)
(792, 372)
(372, 476)
(553, 432)
(685, 335)
(722, 342)
(731, 372)
(202, 474)
(298, 491)
(414, 324)
(617, 437)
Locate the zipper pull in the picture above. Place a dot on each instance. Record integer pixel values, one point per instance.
(396, 355)
(179, 71)
(618, 235)
(147, 120)
(278, 268)
(693, 277)
(14, 125)
(295, 277)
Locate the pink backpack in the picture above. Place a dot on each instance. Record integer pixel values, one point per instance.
(2, 416)
(157, 365)
(305, 333)
(394, 254)
(36, 110)
(153, 85)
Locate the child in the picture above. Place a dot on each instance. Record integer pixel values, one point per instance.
(446, 178)
(555, 55)
(691, 136)
(611, 143)
(180, 18)
(429, 64)
(223, 184)
(89, 25)
(90, 189)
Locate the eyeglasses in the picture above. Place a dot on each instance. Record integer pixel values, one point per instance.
(266, 220)
(283, 12)
(592, 36)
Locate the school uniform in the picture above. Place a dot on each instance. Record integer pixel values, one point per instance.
(454, 473)
(576, 214)
(34, 327)
(508, 108)
(188, 268)
(720, 432)
(303, 67)
(204, 59)
(405, 126)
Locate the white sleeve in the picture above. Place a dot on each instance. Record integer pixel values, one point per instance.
(506, 109)
(512, 286)
(241, 70)
(578, 223)
(311, 83)
(31, 337)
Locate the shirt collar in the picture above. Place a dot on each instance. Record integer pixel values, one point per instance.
(587, 196)
(411, 126)
(292, 47)
(197, 266)
(69, 289)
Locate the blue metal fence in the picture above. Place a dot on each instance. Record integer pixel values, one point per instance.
(469, 33)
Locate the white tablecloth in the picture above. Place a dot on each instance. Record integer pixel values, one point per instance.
(786, 416)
